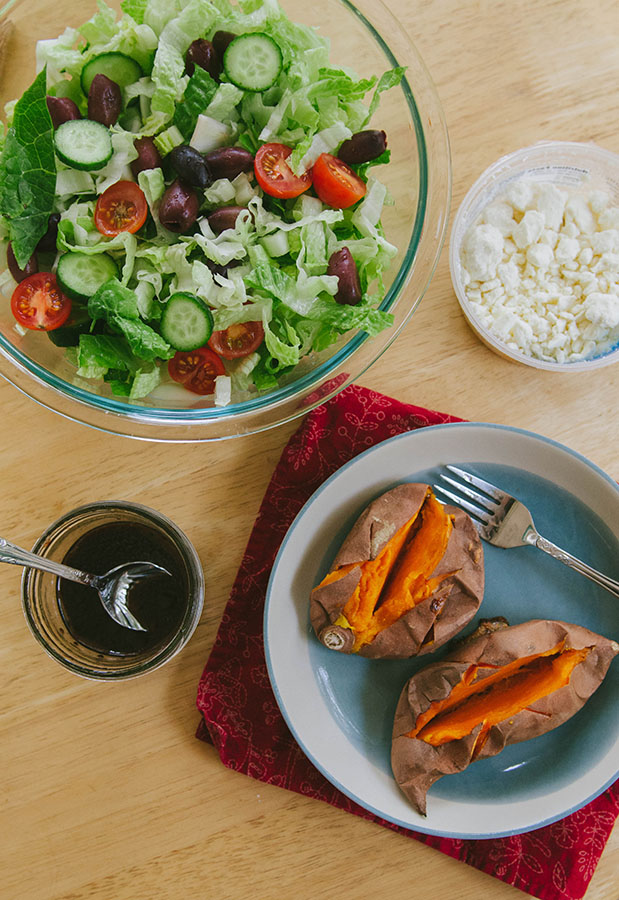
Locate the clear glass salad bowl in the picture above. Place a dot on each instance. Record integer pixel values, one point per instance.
(365, 38)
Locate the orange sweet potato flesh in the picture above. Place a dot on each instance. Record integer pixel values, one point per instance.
(404, 559)
(500, 688)
(504, 694)
(374, 573)
(399, 577)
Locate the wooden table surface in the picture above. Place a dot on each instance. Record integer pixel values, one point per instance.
(106, 792)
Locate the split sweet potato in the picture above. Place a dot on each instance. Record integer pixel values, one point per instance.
(498, 689)
(407, 578)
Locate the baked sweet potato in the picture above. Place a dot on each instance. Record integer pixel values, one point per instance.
(498, 689)
(407, 578)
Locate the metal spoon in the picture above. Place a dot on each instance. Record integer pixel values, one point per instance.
(112, 587)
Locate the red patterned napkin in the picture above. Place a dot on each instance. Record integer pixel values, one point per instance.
(240, 715)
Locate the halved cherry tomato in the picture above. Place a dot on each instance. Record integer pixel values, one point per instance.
(39, 304)
(275, 176)
(196, 369)
(335, 183)
(237, 340)
(122, 207)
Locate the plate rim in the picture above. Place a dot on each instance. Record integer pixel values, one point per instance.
(380, 814)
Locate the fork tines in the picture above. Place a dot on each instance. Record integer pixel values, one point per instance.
(488, 503)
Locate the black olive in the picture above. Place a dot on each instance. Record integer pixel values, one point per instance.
(342, 264)
(362, 147)
(179, 207)
(190, 167)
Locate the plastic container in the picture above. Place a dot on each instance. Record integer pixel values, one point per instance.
(43, 611)
(579, 167)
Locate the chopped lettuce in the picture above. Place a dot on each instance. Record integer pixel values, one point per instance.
(136, 9)
(271, 267)
(120, 308)
(198, 94)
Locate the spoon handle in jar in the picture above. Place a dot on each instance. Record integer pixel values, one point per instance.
(16, 556)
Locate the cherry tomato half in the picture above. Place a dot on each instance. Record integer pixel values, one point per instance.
(335, 183)
(122, 207)
(237, 340)
(196, 369)
(275, 176)
(39, 304)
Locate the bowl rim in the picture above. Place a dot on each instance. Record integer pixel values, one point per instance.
(488, 177)
(149, 416)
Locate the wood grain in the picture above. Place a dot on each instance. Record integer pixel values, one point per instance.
(106, 793)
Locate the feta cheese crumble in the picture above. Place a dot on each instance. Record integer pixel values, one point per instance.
(541, 271)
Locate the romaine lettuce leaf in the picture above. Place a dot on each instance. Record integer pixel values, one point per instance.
(28, 171)
(110, 357)
(98, 353)
(386, 81)
(198, 94)
(194, 19)
(135, 9)
(144, 341)
(119, 307)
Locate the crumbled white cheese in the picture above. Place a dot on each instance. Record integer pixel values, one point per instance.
(578, 210)
(482, 250)
(541, 271)
(529, 229)
(550, 202)
(223, 390)
(501, 215)
(519, 195)
(567, 249)
(602, 309)
(539, 255)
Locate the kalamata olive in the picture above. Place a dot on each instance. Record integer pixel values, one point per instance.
(148, 156)
(18, 274)
(216, 269)
(363, 147)
(202, 53)
(190, 167)
(47, 244)
(62, 109)
(342, 264)
(104, 100)
(179, 206)
(221, 41)
(224, 218)
(228, 162)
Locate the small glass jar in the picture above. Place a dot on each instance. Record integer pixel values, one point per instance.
(44, 613)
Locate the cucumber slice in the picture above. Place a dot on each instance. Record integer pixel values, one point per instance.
(186, 323)
(117, 66)
(68, 335)
(83, 144)
(80, 275)
(253, 61)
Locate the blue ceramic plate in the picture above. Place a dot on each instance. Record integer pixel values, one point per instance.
(340, 708)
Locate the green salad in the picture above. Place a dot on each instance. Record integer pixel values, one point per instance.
(187, 194)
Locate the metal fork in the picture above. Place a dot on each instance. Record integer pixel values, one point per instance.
(506, 522)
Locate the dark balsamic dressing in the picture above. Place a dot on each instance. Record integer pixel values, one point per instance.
(159, 603)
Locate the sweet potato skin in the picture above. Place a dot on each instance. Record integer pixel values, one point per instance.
(441, 615)
(417, 765)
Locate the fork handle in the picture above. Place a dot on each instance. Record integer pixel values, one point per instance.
(563, 556)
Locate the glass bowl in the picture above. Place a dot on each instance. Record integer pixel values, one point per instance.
(364, 37)
(44, 614)
(577, 168)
